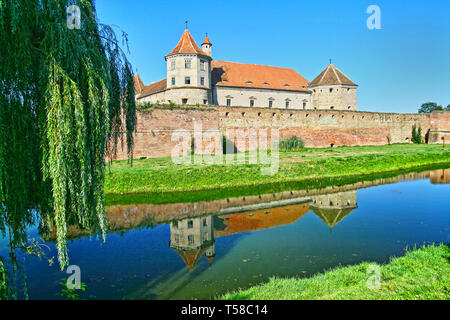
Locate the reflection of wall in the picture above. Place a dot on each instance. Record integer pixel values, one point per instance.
(127, 217)
(440, 176)
(333, 207)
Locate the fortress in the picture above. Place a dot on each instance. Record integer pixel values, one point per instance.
(194, 78)
(226, 96)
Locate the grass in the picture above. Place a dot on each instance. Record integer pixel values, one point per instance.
(311, 167)
(422, 274)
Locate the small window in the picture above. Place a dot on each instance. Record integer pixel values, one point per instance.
(270, 103)
(202, 65)
(202, 81)
(187, 64)
(287, 104)
(173, 81)
(190, 224)
(187, 80)
(332, 107)
(177, 238)
(204, 222)
(228, 102)
(184, 101)
(175, 224)
(304, 105)
(252, 103)
(172, 65)
(205, 101)
(349, 107)
(191, 240)
(331, 90)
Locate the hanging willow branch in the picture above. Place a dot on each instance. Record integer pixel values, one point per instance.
(66, 97)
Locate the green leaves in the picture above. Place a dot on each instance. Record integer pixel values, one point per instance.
(63, 94)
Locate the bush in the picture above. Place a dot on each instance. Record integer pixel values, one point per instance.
(292, 144)
(416, 135)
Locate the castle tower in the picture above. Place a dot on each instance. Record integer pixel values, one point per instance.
(206, 46)
(331, 89)
(189, 72)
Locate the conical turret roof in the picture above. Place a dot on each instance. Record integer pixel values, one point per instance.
(187, 45)
(206, 41)
(331, 75)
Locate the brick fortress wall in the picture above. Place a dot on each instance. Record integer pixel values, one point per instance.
(318, 128)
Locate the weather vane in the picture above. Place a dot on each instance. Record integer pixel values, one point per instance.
(186, 23)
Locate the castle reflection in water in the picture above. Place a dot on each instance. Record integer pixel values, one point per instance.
(192, 238)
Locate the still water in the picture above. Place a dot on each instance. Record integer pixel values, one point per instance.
(201, 250)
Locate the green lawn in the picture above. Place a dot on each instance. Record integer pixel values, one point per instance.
(310, 166)
(421, 274)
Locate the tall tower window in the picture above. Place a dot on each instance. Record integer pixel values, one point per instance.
(228, 102)
(187, 64)
(191, 240)
(173, 81)
(287, 104)
(202, 65)
(270, 103)
(172, 65)
(202, 81)
(187, 80)
(190, 224)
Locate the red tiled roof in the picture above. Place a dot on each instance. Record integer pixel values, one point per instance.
(331, 75)
(232, 74)
(187, 45)
(206, 41)
(153, 88)
(138, 84)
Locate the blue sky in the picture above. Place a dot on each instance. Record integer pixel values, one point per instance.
(397, 68)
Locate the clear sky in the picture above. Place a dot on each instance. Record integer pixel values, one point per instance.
(397, 68)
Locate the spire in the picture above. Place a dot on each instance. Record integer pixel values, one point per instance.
(187, 45)
(206, 41)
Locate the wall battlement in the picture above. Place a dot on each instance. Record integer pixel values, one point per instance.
(318, 128)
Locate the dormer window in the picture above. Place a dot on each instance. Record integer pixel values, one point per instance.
(286, 85)
(248, 82)
(187, 63)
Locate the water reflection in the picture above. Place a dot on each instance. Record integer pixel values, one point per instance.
(217, 229)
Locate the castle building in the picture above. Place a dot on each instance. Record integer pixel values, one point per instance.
(193, 77)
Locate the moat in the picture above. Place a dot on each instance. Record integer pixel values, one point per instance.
(201, 250)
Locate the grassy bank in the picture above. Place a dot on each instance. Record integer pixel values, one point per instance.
(309, 166)
(420, 274)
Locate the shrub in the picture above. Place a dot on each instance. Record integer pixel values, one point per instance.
(292, 144)
(416, 135)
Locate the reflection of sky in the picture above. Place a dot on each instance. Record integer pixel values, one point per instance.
(140, 264)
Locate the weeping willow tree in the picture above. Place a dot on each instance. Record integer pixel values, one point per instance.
(66, 98)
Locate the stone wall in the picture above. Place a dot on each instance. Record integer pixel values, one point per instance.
(261, 98)
(440, 127)
(337, 97)
(318, 128)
